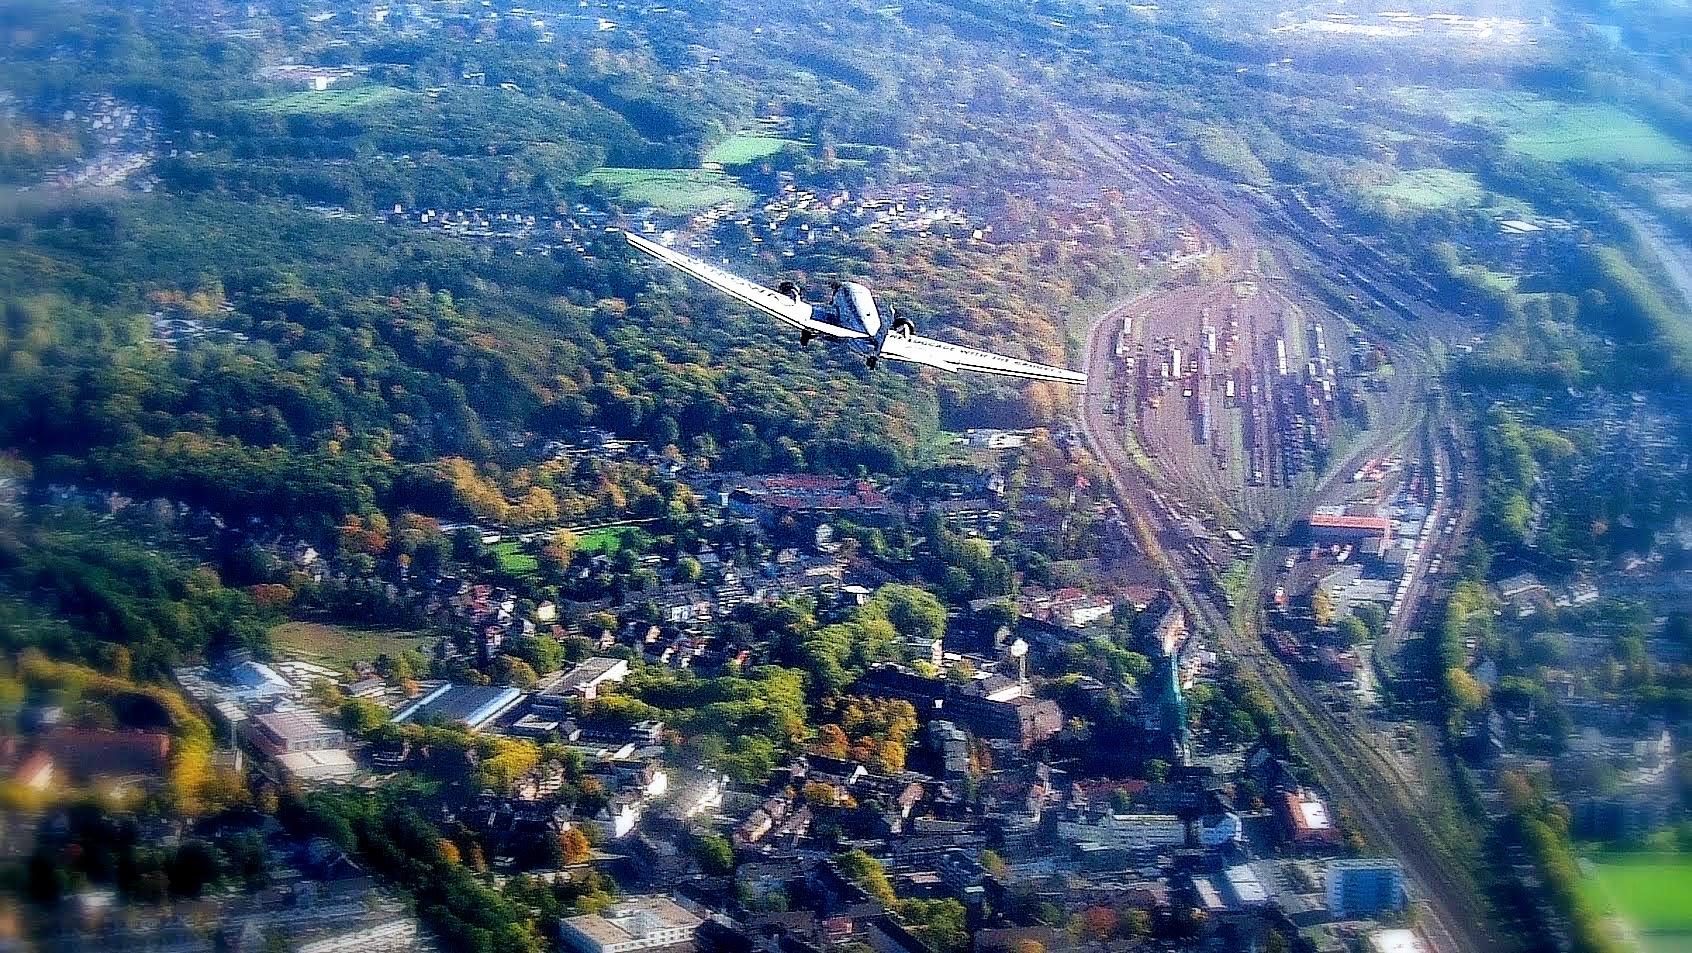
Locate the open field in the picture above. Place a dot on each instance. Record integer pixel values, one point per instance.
(513, 560)
(340, 646)
(1648, 894)
(748, 147)
(1555, 131)
(673, 190)
(610, 539)
(1432, 188)
(329, 102)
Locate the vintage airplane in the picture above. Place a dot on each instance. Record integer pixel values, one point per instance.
(852, 316)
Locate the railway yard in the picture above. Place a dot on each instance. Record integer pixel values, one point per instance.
(1230, 405)
(1243, 396)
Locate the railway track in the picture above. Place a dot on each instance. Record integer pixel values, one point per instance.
(1373, 786)
(1455, 920)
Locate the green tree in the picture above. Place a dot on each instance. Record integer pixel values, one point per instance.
(714, 853)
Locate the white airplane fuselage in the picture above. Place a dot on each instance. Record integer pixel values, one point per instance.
(854, 307)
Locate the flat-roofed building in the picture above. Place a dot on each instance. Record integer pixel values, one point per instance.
(1396, 941)
(1243, 887)
(1136, 832)
(1365, 886)
(283, 732)
(582, 681)
(638, 923)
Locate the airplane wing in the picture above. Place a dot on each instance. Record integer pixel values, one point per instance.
(955, 357)
(773, 303)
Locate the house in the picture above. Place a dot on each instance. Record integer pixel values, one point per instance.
(1521, 584)
(1219, 829)
(696, 792)
(619, 816)
(371, 687)
(1078, 609)
(1165, 630)
(1023, 720)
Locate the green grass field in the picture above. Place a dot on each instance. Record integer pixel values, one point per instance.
(611, 539)
(338, 646)
(673, 190)
(1649, 894)
(513, 560)
(329, 102)
(1432, 188)
(1555, 131)
(748, 147)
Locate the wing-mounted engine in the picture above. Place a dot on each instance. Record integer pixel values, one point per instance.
(792, 290)
(900, 325)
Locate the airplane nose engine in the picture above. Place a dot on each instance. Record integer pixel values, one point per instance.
(791, 290)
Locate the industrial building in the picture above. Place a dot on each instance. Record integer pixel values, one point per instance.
(283, 732)
(1332, 528)
(302, 744)
(474, 706)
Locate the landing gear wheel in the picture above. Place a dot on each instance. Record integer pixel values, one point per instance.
(805, 337)
(870, 362)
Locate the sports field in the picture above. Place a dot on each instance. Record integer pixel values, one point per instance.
(1555, 131)
(673, 190)
(338, 646)
(1648, 897)
(329, 102)
(748, 147)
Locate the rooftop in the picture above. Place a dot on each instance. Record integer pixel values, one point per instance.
(474, 705)
(635, 918)
(1396, 941)
(1330, 521)
(292, 725)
